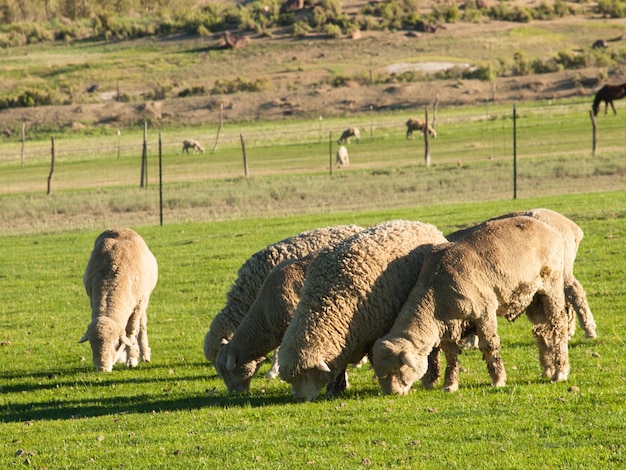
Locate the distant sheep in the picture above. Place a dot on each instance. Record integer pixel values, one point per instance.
(413, 125)
(347, 134)
(252, 275)
(119, 278)
(342, 157)
(351, 296)
(194, 145)
(495, 271)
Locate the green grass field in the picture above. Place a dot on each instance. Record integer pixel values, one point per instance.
(174, 412)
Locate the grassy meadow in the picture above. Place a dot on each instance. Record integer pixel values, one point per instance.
(174, 412)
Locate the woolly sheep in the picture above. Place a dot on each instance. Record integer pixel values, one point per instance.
(571, 235)
(494, 271)
(342, 158)
(252, 274)
(351, 296)
(413, 125)
(194, 145)
(350, 132)
(119, 278)
(262, 329)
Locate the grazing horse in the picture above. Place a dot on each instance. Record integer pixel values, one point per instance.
(608, 93)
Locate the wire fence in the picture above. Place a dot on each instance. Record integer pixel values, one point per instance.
(472, 157)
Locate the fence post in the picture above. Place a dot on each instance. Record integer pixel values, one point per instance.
(51, 166)
(23, 141)
(514, 152)
(330, 152)
(245, 157)
(160, 181)
(426, 140)
(594, 136)
(144, 157)
(219, 129)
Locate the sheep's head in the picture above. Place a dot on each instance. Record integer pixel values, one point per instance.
(397, 366)
(109, 344)
(307, 383)
(236, 373)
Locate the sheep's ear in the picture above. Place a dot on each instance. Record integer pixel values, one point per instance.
(84, 338)
(323, 366)
(223, 341)
(231, 362)
(408, 360)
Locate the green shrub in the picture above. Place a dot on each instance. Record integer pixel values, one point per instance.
(227, 87)
(611, 8)
(300, 29)
(333, 30)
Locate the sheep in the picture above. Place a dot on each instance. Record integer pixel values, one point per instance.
(262, 329)
(572, 235)
(120, 276)
(342, 157)
(418, 125)
(350, 132)
(495, 271)
(351, 296)
(194, 145)
(253, 273)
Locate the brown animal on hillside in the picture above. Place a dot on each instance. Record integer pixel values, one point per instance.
(608, 93)
(413, 125)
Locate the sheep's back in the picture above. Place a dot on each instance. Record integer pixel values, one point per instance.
(252, 274)
(353, 292)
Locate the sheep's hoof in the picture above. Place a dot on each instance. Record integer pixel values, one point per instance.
(591, 333)
(451, 388)
(548, 372)
(559, 376)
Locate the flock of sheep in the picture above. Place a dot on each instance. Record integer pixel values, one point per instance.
(342, 158)
(397, 293)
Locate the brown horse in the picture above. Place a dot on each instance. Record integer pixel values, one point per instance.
(608, 93)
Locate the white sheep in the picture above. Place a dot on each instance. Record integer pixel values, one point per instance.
(342, 158)
(262, 329)
(351, 296)
(253, 273)
(350, 132)
(495, 271)
(572, 235)
(413, 125)
(194, 145)
(119, 278)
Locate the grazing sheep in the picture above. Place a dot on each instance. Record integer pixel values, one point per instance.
(572, 235)
(194, 145)
(262, 329)
(350, 132)
(413, 125)
(120, 276)
(351, 296)
(253, 273)
(494, 271)
(342, 157)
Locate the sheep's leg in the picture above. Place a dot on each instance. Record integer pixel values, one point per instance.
(537, 316)
(142, 337)
(489, 344)
(273, 372)
(575, 295)
(451, 382)
(434, 368)
(554, 307)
